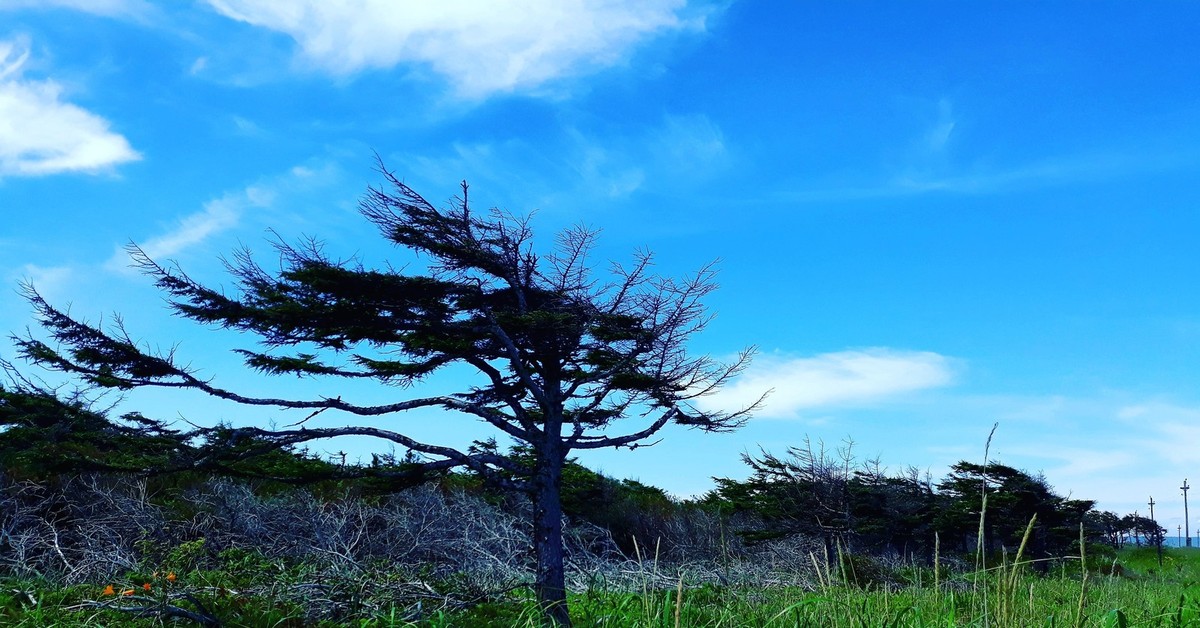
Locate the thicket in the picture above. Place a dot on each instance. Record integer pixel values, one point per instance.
(87, 500)
(859, 507)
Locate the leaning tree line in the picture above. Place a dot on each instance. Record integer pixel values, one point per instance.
(79, 491)
(857, 506)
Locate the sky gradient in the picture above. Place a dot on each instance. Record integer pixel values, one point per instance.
(930, 217)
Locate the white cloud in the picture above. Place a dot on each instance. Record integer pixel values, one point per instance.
(47, 279)
(690, 144)
(829, 379)
(481, 47)
(602, 164)
(1159, 412)
(606, 169)
(1163, 430)
(245, 126)
(258, 202)
(217, 215)
(41, 134)
(1110, 447)
(680, 149)
(1073, 463)
(971, 181)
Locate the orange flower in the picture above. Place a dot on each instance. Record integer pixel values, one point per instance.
(146, 586)
(127, 592)
(108, 590)
(171, 577)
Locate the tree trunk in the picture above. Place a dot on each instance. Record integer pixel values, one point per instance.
(550, 581)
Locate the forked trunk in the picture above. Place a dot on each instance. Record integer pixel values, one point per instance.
(550, 581)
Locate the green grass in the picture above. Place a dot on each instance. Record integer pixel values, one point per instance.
(265, 593)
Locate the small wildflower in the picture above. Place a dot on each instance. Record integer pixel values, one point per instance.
(146, 586)
(127, 592)
(108, 590)
(171, 577)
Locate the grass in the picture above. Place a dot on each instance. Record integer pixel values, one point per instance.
(1006, 595)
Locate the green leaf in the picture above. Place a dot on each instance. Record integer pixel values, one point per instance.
(1115, 619)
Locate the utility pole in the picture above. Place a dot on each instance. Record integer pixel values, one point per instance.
(1185, 488)
(1157, 532)
(1179, 536)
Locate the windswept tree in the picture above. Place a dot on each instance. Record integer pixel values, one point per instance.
(564, 359)
(1143, 530)
(1014, 497)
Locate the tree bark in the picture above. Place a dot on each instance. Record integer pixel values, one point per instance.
(550, 581)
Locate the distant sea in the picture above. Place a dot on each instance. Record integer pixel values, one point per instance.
(1172, 541)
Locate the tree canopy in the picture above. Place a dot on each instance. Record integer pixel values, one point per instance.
(859, 506)
(45, 433)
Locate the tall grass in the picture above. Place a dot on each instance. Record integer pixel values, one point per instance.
(1017, 597)
(840, 593)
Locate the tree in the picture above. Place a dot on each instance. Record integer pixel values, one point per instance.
(818, 493)
(1141, 529)
(560, 356)
(806, 492)
(1104, 526)
(1014, 497)
(46, 434)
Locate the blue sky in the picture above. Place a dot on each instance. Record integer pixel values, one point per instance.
(930, 217)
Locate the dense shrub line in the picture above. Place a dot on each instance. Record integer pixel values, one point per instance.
(83, 501)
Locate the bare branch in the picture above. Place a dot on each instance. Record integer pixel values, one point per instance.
(597, 442)
(262, 441)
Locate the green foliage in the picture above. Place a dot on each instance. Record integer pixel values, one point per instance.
(1115, 619)
(244, 587)
(864, 510)
(186, 556)
(1014, 497)
(628, 509)
(864, 571)
(44, 436)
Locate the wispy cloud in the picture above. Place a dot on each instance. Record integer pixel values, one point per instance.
(937, 155)
(603, 165)
(1052, 171)
(264, 203)
(53, 136)
(480, 47)
(1164, 430)
(1044, 172)
(47, 279)
(693, 144)
(108, 8)
(937, 137)
(833, 379)
(1109, 447)
(216, 216)
(1071, 462)
(246, 127)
